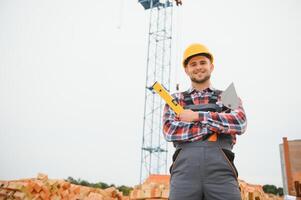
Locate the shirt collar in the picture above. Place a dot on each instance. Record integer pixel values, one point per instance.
(192, 89)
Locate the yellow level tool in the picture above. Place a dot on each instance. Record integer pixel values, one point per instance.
(173, 104)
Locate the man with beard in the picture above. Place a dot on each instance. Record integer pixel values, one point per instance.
(202, 168)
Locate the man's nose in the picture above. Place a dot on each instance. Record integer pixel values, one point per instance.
(198, 66)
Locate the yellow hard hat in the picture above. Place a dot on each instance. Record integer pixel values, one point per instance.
(196, 49)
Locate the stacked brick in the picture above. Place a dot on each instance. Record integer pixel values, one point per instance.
(43, 188)
(255, 192)
(156, 187)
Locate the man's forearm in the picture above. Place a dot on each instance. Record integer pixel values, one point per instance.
(227, 123)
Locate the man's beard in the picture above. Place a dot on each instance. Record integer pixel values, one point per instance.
(203, 80)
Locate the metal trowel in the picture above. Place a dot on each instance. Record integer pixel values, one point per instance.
(230, 98)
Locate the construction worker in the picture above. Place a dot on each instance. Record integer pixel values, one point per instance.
(202, 169)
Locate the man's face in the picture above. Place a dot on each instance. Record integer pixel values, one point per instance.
(199, 69)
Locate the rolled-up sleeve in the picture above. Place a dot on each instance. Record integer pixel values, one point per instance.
(173, 129)
(234, 122)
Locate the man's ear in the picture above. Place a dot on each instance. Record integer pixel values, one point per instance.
(185, 68)
(212, 67)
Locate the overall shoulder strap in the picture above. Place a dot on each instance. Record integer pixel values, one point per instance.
(187, 98)
(213, 99)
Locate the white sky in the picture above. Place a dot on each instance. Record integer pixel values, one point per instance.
(72, 77)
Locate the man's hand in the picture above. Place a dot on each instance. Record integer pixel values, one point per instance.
(188, 116)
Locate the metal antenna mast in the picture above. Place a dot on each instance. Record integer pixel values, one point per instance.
(154, 147)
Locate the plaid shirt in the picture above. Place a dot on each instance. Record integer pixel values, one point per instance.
(231, 123)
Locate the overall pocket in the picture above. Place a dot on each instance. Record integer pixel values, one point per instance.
(229, 156)
(174, 159)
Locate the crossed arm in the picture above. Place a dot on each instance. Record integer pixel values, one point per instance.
(191, 125)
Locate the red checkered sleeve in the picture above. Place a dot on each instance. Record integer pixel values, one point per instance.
(234, 122)
(176, 130)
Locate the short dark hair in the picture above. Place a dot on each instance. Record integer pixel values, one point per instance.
(199, 54)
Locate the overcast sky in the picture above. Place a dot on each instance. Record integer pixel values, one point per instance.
(72, 77)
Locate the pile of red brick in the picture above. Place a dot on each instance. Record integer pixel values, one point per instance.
(255, 192)
(43, 188)
(157, 187)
